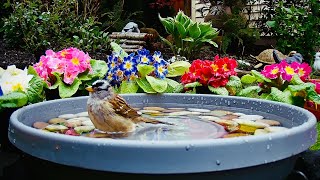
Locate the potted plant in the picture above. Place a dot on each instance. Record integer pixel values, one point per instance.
(143, 72)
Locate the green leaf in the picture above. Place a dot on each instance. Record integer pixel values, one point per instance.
(188, 39)
(301, 89)
(118, 49)
(84, 76)
(145, 85)
(178, 68)
(260, 77)
(99, 68)
(212, 43)
(35, 91)
(145, 69)
(193, 85)
(181, 29)
(173, 86)
(296, 80)
(234, 85)
(248, 79)
(194, 30)
(66, 91)
(219, 90)
(167, 42)
(271, 24)
(168, 24)
(205, 27)
(13, 100)
(277, 95)
(128, 87)
(313, 95)
(32, 71)
(159, 85)
(58, 81)
(251, 91)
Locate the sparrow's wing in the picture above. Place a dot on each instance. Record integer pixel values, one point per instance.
(122, 108)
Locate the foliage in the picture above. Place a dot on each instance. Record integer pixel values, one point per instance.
(316, 146)
(218, 76)
(287, 83)
(296, 28)
(19, 87)
(36, 26)
(235, 31)
(188, 36)
(143, 72)
(69, 70)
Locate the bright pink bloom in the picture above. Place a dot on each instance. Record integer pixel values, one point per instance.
(304, 71)
(271, 71)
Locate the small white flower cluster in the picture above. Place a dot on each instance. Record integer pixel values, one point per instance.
(14, 79)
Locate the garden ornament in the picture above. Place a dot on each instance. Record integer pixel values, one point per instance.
(292, 57)
(266, 56)
(131, 27)
(316, 64)
(109, 112)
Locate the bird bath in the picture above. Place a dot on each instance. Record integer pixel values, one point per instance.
(264, 156)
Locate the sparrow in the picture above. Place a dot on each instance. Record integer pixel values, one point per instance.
(109, 112)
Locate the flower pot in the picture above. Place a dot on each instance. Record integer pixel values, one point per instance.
(313, 108)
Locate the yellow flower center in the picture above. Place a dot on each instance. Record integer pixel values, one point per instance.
(160, 69)
(17, 87)
(301, 72)
(289, 70)
(157, 58)
(275, 71)
(144, 59)
(225, 67)
(128, 65)
(75, 61)
(63, 53)
(214, 67)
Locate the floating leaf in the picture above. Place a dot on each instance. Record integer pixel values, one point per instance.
(145, 85)
(159, 85)
(128, 87)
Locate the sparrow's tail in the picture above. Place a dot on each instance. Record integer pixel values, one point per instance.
(149, 120)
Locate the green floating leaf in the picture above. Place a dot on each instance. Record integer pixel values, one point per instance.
(145, 85)
(145, 69)
(234, 85)
(66, 91)
(128, 87)
(159, 85)
(248, 79)
(173, 86)
(178, 68)
(251, 91)
(193, 85)
(219, 90)
(13, 100)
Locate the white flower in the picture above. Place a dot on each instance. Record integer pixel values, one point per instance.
(14, 79)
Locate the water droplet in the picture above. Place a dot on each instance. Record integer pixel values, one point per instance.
(188, 147)
(268, 147)
(14, 141)
(270, 138)
(218, 162)
(265, 161)
(57, 147)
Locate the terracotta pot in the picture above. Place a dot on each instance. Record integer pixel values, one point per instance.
(313, 108)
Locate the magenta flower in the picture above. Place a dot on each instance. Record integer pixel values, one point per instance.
(271, 71)
(68, 62)
(287, 71)
(304, 71)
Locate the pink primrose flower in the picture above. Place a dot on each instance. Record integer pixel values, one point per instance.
(271, 71)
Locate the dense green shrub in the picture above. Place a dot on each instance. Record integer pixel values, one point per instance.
(36, 26)
(297, 28)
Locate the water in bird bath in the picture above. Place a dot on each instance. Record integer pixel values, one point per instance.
(206, 122)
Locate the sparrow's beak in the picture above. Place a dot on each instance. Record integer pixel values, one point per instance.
(89, 88)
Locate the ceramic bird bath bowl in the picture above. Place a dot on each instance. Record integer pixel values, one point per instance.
(246, 157)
